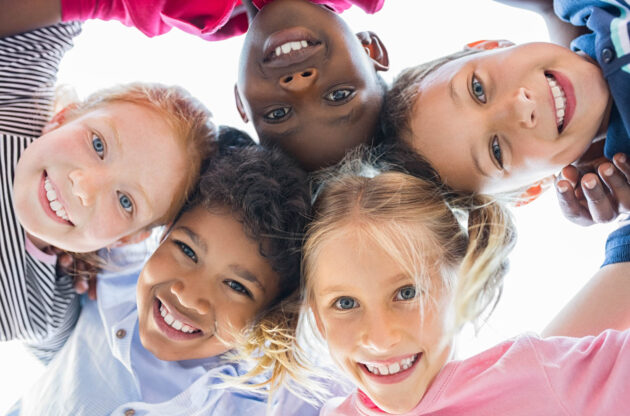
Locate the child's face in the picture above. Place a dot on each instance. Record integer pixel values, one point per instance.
(98, 178)
(316, 102)
(206, 279)
(368, 311)
(502, 119)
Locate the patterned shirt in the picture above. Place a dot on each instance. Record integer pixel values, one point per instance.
(36, 305)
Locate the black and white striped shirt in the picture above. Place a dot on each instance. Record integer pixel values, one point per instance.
(36, 305)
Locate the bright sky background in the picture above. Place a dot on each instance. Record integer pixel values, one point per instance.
(553, 258)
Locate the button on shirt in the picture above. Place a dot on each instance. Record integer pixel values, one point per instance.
(104, 369)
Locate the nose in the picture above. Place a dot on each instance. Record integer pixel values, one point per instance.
(299, 81)
(524, 108)
(380, 331)
(86, 184)
(191, 297)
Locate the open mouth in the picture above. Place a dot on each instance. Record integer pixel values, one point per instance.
(49, 198)
(289, 47)
(171, 324)
(391, 372)
(559, 100)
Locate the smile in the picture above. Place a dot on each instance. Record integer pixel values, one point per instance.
(51, 202)
(559, 100)
(172, 324)
(54, 204)
(391, 368)
(290, 47)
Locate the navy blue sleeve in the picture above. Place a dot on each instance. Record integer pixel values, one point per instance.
(618, 246)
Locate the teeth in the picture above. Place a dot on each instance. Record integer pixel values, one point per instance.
(560, 99)
(174, 323)
(55, 205)
(291, 46)
(394, 368)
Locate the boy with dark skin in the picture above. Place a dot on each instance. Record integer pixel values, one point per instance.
(307, 83)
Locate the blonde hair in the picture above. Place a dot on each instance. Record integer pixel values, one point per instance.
(189, 119)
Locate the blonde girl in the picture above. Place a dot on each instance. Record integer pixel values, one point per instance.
(391, 274)
(102, 172)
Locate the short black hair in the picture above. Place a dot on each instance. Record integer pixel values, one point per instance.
(267, 192)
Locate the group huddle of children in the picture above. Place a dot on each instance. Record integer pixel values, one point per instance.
(396, 238)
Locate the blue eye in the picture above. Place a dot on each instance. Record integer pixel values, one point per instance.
(477, 90)
(98, 145)
(406, 293)
(277, 114)
(339, 95)
(237, 287)
(125, 202)
(496, 151)
(185, 248)
(346, 303)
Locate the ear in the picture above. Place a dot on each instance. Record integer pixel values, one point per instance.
(58, 119)
(132, 238)
(484, 45)
(239, 104)
(375, 49)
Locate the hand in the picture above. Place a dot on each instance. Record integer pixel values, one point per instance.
(585, 200)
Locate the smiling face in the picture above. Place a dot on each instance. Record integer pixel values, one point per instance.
(502, 119)
(205, 280)
(378, 330)
(307, 83)
(98, 178)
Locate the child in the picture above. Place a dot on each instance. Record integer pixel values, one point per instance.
(226, 265)
(103, 173)
(390, 275)
(309, 85)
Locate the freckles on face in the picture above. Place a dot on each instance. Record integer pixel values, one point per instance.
(106, 174)
(197, 291)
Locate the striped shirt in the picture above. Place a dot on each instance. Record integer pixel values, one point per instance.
(36, 305)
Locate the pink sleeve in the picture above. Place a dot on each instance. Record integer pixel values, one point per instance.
(338, 6)
(589, 375)
(210, 20)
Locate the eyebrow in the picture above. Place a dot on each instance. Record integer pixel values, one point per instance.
(477, 164)
(247, 275)
(345, 118)
(273, 136)
(453, 93)
(194, 237)
(340, 288)
(112, 127)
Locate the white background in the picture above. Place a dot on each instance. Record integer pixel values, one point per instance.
(553, 258)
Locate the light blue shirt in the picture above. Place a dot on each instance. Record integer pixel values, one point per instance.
(104, 369)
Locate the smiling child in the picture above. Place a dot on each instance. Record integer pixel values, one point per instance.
(391, 276)
(81, 181)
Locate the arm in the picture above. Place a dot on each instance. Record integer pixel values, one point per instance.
(602, 304)
(560, 32)
(22, 15)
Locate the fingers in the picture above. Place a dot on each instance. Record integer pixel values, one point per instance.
(617, 182)
(575, 209)
(571, 174)
(601, 204)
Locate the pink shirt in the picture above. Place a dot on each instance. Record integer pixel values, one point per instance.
(524, 377)
(208, 19)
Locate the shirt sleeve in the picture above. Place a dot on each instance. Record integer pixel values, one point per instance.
(588, 375)
(618, 246)
(36, 305)
(210, 20)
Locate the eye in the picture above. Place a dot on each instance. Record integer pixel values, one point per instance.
(406, 293)
(495, 149)
(185, 248)
(237, 287)
(98, 145)
(476, 87)
(339, 95)
(125, 202)
(346, 303)
(277, 114)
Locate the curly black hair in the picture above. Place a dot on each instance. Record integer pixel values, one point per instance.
(267, 192)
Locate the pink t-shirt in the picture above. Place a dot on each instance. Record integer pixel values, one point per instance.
(208, 19)
(525, 376)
